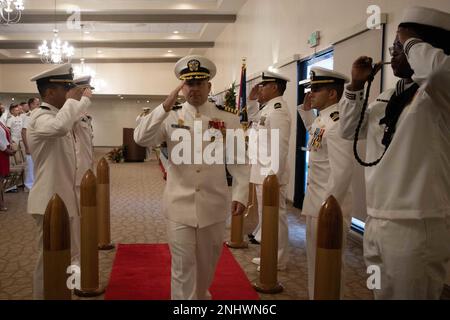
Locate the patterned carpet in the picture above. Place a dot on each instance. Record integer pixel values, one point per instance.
(136, 191)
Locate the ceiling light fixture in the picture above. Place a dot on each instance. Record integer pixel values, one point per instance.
(58, 52)
(11, 11)
(176, 32)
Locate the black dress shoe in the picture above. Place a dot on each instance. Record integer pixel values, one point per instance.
(251, 236)
(254, 241)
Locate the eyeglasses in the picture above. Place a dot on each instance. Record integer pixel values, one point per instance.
(396, 49)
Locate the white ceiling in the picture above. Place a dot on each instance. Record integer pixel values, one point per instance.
(154, 27)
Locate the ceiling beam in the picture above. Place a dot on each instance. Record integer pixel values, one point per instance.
(113, 44)
(132, 18)
(90, 61)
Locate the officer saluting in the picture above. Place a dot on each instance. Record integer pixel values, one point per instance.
(195, 200)
(407, 233)
(273, 115)
(52, 147)
(331, 161)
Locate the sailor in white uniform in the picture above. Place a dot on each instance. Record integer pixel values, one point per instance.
(196, 200)
(331, 163)
(52, 146)
(407, 233)
(272, 114)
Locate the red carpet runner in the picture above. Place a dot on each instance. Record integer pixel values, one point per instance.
(142, 272)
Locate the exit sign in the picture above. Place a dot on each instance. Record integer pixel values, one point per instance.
(313, 40)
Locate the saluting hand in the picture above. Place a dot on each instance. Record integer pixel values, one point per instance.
(307, 105)
(361, 72)
(237, 208)
(254, 93)
(75, 93)
(172, 98)
(87, 93)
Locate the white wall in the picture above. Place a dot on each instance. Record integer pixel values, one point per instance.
(130, 78)
(110, 116)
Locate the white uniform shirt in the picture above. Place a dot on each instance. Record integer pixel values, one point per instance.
(196, 194)
(331, 163)
(84, 147)
(51, 143)
(412, 181)
(15, 124)
(274, 115)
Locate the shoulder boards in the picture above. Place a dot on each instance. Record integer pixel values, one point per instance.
(177, 107)
(227, 109)
(335, 116)
(277, 105)
(383, 100)
(45, 108)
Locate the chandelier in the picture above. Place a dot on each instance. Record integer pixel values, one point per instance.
(11, 11)
(58, 52)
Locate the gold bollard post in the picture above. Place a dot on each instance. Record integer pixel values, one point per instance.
(56, 234)
(89, 238)
(268, 282)
(103, 206)
(237, 229)
(327, 281)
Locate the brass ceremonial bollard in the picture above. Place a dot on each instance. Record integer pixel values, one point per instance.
(268, 282)
(56, 234)
(103, 206)
(89, 238)
(237, 230)
(327, 281)
(237, 227)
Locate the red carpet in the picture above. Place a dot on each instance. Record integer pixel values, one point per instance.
(142, 272)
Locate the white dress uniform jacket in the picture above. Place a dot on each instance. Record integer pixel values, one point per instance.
(15, 124)
(421, 143)
(83, 145)
(195, 194)
(52, 147)
(274, 115)
(331, 162)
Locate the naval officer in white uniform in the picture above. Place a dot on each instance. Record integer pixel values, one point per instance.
(331, 163)
(272, 115)
(407, 233)
(196, 200)
(52, 147)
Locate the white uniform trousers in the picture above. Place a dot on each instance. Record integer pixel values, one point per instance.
(29, 172)
(195, 253)
(38, 276)
(283, 228)
(412, 256)
(311, 249)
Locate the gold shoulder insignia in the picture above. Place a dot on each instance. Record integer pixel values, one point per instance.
(227, 109)
(277, 105)
(335, 116)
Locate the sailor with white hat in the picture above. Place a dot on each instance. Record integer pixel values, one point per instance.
(407, 233)
(331, 164)
(84, 134)
(52, 147)
(196, 197)
(272, 114)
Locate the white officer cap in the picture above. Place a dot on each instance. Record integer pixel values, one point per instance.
(321, 76)
(195, 67)
(62, 74)
(427, 16)
(84, 82)
(268, 76)
(146, 108)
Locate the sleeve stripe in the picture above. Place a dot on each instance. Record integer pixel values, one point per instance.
(410, 44)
